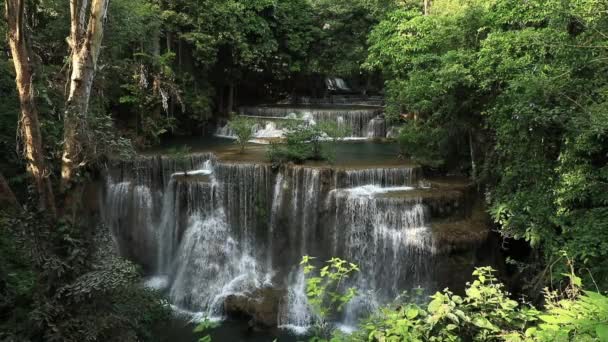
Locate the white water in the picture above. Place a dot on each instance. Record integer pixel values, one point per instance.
(242, 228)
(295, 313)
(362, 122)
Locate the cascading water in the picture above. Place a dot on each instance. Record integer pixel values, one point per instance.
(361, 121)
(376, 128)
(208, 229)
(381, 177)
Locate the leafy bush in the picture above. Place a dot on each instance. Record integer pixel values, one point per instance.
(304, 141)
(486, 312)
(326, 291)
(423, 143)
(58, 284)
(243, 129)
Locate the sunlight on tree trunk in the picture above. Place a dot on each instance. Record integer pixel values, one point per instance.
(29, 123)
(85, 46)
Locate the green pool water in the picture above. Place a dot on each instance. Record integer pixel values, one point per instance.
(358, 153)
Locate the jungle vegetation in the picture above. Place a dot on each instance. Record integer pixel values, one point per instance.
(512, 93)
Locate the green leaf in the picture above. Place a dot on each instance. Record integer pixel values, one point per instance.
(411, 313)
(484, 323)
(602, 332)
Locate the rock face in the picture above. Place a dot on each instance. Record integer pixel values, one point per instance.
(261, 307)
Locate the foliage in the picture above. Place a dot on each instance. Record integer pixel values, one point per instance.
(302, 142)
(525, 81)
(58, 287)
(327, 292)
(423, 143)
(487, 313)
(583, 318)
(483, 314)
(243, 129)
(306, 141)
(202, 327)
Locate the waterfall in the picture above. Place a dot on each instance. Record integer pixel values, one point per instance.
(356, 118)
(376, 128)
(295, 314)
(361, 121)
(208, 229)
(336, 84)
(211, 264)
(387, 237)
(383, 177)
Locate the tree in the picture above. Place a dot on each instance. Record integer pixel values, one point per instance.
(517, 91)
(85, 45)
(243, 129)
(30, 124)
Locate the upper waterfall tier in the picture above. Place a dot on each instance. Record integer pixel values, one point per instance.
(356, 118)
(336, 100)
(361, 121)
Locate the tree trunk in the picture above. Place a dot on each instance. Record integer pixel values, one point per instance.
(220, 100)
(427, 6)
(30, 125)
(472, 153)
(85, 46)
(230, 106)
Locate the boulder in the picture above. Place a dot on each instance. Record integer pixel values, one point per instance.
(260, 306)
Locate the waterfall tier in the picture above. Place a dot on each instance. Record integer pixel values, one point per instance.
(222, 233)
(361, 121)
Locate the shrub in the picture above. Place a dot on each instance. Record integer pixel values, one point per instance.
(243, 129)
(325, 289)
(423, 143)
(57, 284)
(306, 142)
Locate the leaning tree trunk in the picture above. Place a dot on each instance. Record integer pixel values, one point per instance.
(85, 44)
(29, 123)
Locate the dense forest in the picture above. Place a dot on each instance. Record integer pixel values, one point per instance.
(510, 94)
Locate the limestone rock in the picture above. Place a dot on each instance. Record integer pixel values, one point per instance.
(261, 306)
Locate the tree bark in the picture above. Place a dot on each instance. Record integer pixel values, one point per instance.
(85, 46)
(472, 153)
(230, 106)
(29, 123)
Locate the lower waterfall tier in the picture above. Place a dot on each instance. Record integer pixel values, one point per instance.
(221, 234)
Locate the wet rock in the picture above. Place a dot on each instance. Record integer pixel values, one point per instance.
(260, 306)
